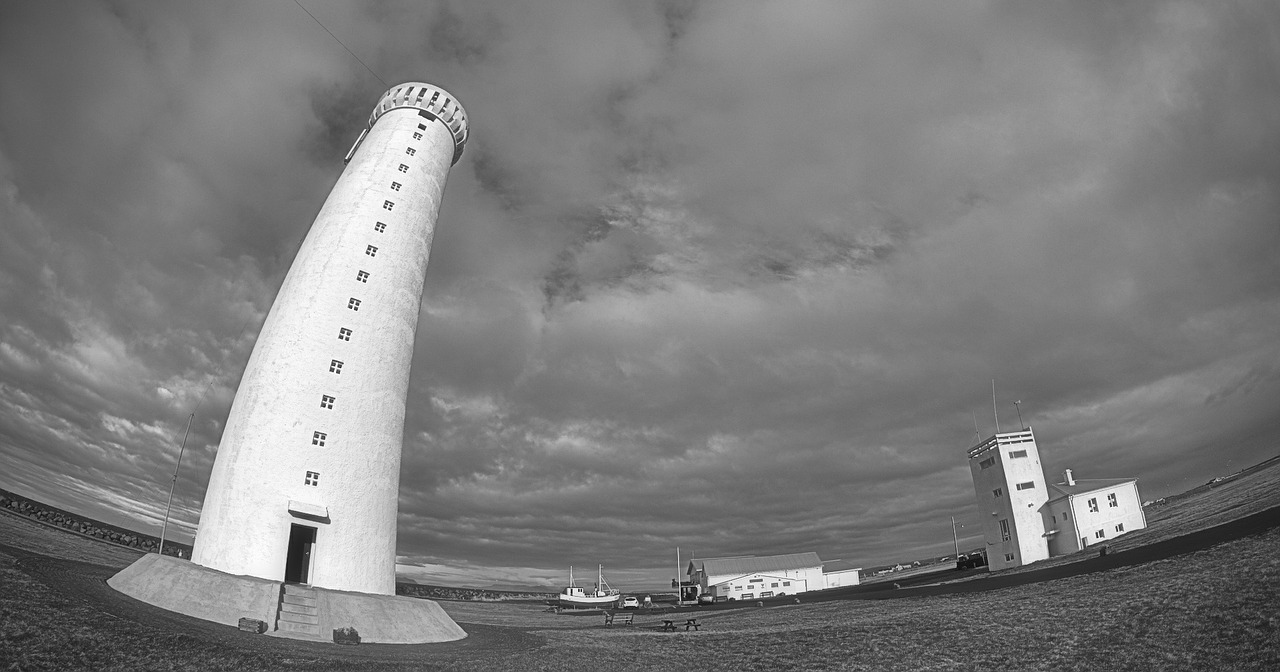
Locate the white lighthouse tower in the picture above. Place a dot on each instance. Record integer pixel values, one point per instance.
(303, 492)
(304, 487)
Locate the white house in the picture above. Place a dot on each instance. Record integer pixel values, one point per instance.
(1085, 512)
(839, 573)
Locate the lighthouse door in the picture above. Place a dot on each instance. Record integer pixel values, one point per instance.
(297, 567)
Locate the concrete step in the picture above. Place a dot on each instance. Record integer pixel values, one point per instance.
(298, 618)
(301, 600)
(299, 589)
(301, 628)
(299, 609)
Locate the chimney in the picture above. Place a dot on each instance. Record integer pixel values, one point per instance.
(1068, 478)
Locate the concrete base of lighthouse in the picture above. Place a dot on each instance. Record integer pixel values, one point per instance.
(187, 588)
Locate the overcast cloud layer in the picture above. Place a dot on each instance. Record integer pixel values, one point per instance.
(728, 276)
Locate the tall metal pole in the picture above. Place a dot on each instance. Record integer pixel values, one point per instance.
(169, 507)
(954, 539)
(1016, 405)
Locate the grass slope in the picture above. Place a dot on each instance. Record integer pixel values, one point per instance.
(1217, 608)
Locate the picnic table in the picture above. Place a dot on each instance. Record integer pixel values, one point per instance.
(669, 625)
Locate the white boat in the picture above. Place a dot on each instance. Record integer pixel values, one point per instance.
(601, 596)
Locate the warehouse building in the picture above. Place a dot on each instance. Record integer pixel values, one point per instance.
(754, 577)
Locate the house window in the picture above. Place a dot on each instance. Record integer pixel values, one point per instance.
(313, 478)
(773, 585)
(353, 303)
(987, 462)
(371, 250)
(422, 127)
(1064, 515)
(1008, 557)
(387, 205)
(1017, 453)
(1093, 504)
(1004, 529)
(738, 588)
(1120, 527)
(747, 596)
(404, 168)
(335, 366)
(767, 593)
(395, 186)
(1029, 485)
(1055, 519)
(344, 334)
(998, 492)
(1101, 534)
(326, 401)
(417, 136)
(1111, 500)
(410, 151)
(380, 227)
(317, 438)
(362, 276)
(786, 583)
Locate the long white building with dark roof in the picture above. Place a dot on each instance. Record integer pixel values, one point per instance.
(753, 577)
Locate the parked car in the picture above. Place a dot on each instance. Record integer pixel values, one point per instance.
(706, 598)
(631, 602)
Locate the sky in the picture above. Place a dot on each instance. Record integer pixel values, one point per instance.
(732, 277)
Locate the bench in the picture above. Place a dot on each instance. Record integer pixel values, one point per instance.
(624, 619)
(670, 625)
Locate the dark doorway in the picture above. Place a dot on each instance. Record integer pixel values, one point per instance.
(297, 567)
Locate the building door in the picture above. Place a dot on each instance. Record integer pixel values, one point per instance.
(297, 566)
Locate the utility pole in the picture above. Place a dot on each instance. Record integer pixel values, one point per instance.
(169, 507)
(954, 539)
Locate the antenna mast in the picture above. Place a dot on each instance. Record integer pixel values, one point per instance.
(993, 405)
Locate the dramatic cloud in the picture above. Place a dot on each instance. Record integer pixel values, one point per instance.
(733, 277)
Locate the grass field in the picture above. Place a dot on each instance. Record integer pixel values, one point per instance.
(1217, 608)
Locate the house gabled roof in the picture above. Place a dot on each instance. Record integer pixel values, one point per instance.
(751, 564)
(1085, 486)
(838, 566)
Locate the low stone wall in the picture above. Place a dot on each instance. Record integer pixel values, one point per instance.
(89, 527)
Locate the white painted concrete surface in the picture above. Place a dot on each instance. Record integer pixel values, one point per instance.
(270, 446)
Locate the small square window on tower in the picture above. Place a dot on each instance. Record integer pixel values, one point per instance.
(410, 151)
(317, 438)
(326, 401)
(362, 276)
(1029, 485)
(344, 334)
(387, 205)
(422, 127)
(371, 250)
(335, 366)
(313, 478)
(404, 168)
(353, 303)
(417, 136)
(1120, 527)
(380, 227)
(1111, 500)
(998, 492)
(1101, 534)
(1093, 504)
(395, 186)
